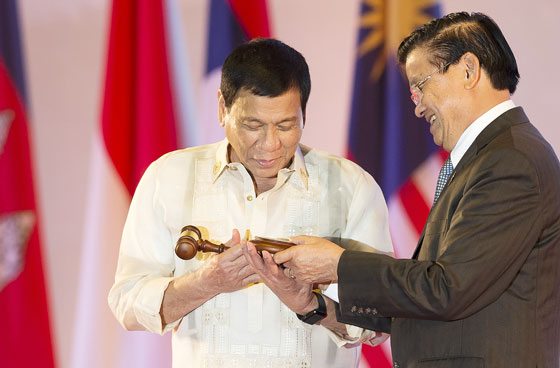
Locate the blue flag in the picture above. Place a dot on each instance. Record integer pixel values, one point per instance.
(386, 138)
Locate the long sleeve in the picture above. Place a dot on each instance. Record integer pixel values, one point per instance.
(469, 255)
(145, 265)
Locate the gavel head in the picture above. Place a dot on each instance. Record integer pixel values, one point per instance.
(187, 245)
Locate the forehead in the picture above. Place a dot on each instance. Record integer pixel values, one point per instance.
(417, 65)
(246, 101)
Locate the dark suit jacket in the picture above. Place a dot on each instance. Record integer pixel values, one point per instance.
(483, 288)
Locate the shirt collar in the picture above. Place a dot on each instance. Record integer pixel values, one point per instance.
(220, 160)
(298, 164)
(469, 135)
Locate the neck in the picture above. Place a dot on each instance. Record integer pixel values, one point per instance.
(485, 97)
(264, 185)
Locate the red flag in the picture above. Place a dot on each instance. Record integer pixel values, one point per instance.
(138, 120)
(137, 126)
(25, 340)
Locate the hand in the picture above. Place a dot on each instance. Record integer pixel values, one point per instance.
(229, 271)
(376, 338)
(296, 295)
(314, 260)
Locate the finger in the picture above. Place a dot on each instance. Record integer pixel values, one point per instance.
(270, 265)
(285, 255)
(251, 279)
(235, 238)
(233, 253)
(289, 273)
(253, 256)
(268, 260)
(246, 271)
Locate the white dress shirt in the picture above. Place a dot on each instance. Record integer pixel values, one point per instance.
(319, 194)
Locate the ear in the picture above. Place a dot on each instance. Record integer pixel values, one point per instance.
(222, 110)
(472, 70)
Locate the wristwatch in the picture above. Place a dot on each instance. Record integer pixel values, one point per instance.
(316, 314)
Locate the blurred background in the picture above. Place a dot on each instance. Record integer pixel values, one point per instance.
(65, 43)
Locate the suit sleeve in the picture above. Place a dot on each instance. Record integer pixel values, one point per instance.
(480, 248)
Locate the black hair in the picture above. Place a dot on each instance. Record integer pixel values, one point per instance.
(265, 67)
(448, 38)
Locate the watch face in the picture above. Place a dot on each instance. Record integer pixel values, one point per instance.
(314, 318)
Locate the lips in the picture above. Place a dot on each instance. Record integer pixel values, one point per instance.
(432, 119)
(266, 163)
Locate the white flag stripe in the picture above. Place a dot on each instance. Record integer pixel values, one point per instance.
(213, 132)
(190, 130)
(403, 232)
(386, 347)
(94, 324)
(425, 177)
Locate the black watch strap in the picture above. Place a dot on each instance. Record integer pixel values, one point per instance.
(316, 314)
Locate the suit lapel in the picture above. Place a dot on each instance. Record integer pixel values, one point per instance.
(502, 122)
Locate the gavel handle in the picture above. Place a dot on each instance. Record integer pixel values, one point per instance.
(272, 246)
(207, 246)
(188, 245)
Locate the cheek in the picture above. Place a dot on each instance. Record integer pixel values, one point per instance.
(291, 139)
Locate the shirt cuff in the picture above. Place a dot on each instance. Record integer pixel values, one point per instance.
(148, 305)
(354, 335)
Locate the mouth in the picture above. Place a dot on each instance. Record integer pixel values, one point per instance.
(266, 163)
(432, 119)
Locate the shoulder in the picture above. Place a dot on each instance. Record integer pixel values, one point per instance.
(318, 157)
(183, 159)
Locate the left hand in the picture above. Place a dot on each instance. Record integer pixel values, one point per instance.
(314, 260)
(295, 294)
(376, 338)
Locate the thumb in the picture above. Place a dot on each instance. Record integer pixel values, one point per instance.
(235, 238)
(284, 256)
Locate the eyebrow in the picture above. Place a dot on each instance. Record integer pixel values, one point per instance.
(248, 119)
(416, 80)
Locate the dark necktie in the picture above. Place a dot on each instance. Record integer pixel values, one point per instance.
(444, 175)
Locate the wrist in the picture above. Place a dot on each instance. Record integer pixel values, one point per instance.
(311, 304)
(315, 315)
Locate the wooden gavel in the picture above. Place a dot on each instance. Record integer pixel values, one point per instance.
(190, 242)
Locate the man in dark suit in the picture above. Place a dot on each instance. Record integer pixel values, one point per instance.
(483, 286)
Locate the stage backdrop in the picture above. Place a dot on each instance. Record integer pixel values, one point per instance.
(65, 43)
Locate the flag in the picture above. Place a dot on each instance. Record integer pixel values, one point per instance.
(231, 23)
(139, 122)
(385, 136)
(25, 340)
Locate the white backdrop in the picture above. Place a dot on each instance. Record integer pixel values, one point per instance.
(65, 42)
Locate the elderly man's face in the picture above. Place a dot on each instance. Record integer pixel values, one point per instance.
(264, 132)
(439, 97)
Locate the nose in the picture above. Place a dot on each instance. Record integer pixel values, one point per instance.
(270, 141)
(419, 109)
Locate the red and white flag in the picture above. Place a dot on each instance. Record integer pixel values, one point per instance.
(138, 124)
(25, 337)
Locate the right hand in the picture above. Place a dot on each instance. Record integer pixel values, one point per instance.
(229, 271)
(296, 295)
(314, 260)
